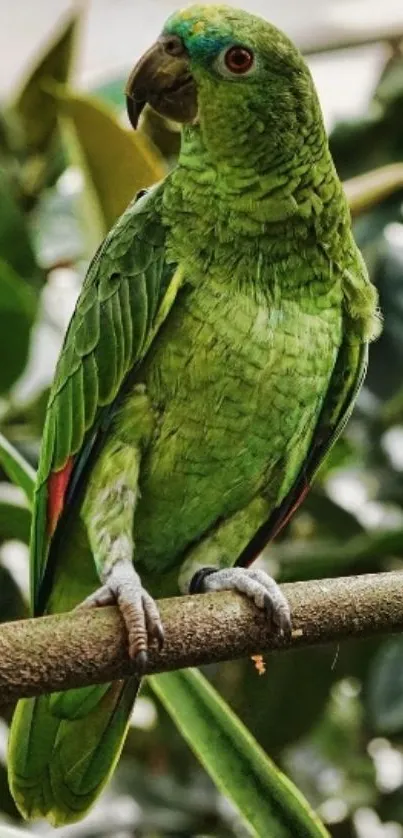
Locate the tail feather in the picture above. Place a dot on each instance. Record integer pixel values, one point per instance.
(76, 704)
(58, 765)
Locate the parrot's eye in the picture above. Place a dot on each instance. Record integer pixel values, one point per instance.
(238, 60)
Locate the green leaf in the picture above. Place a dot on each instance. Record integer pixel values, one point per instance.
(37, 109)
(15, 517)
(17, 315)
(116, 162)
(15, 242)
(16, 468)
(112, 92)
(12, 605)
(385, 688)
(269, 803)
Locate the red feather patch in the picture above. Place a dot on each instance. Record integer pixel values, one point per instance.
(57, 486)
(271, 528)
(291, 512)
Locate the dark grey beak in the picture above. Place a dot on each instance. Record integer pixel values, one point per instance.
(162, 79)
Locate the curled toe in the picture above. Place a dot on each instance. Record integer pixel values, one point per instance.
(141, 660)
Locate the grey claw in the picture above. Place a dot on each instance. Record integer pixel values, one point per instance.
(122, 585)
(280, 621)
(283, 624)
(159, 635)
(141, 660)
(268, 606)
(258, 587)
(155, 630)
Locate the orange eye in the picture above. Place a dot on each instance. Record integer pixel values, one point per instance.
(238, 60)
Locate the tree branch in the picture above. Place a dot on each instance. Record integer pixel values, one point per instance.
(364, 192)
(87, 647)
(351, 39)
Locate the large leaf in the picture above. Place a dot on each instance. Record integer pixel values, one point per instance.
(17, 315)
(34, 105)
(16, 468)
(15, 242)
(268, 802)
(385, 688)
(112, 92)
(116, 163)
(12, 605)
(15, 516)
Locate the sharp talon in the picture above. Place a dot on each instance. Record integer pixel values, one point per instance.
(285, 626)
(137, 609)
(141, 660)
(256, 585)
(156, 633)
(268, 607)
(197, 582)
(159, 635)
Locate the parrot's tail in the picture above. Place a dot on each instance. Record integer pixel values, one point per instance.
(64, 747)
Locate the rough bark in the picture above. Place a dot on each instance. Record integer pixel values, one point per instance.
(87, 647)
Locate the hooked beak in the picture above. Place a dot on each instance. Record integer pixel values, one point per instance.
(162, 79)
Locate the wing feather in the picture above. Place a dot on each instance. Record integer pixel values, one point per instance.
(127, 286)
(345, 383)
(78, 400)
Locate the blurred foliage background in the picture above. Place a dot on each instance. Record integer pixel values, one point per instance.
(331, 717)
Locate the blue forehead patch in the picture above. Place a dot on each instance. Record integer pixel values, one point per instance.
(203, 36)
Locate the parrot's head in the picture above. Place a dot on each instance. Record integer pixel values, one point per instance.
(227, 71)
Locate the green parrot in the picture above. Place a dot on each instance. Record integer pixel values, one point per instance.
(214, 356)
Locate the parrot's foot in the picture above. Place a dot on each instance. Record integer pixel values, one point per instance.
(255, 584)
(139, 611)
